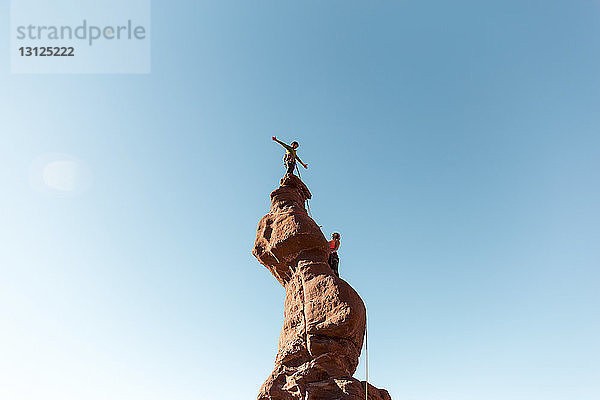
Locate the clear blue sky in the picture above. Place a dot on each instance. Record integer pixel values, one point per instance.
(455, 146)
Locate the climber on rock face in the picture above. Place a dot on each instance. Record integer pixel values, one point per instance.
(334, 260)
(289, 160)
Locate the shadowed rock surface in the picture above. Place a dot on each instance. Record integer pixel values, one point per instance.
(324, 326)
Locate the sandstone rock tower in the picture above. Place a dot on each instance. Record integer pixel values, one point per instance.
(323, 331)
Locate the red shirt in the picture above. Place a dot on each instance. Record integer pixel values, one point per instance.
(334, 245)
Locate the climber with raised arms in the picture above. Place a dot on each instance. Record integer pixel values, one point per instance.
(289, 160)
(334, 259)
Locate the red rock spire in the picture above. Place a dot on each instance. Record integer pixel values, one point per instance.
(324, 326)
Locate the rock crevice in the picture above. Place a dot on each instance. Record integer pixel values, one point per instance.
(324, 324)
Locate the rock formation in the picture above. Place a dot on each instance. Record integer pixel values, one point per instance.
(324, 326)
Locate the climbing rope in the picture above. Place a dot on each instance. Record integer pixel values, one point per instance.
(366, 356)
(307, 204)
(308, 207)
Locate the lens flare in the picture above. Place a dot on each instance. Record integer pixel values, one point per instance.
(59, 174)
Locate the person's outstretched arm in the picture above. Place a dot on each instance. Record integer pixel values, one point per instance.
(304, 165)
(285, 146)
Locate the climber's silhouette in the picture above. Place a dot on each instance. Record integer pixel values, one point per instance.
(334, 260)
(289, 160)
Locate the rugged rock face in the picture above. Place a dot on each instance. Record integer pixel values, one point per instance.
(324, 326)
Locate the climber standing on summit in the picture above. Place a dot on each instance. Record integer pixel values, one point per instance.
(334, 259)
(289, 160)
